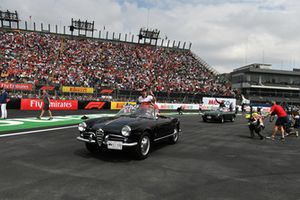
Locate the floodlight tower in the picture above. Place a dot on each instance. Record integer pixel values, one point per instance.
(148, 35)
(82, 25)
(10, 17)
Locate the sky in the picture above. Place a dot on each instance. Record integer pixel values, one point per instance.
(227, 34)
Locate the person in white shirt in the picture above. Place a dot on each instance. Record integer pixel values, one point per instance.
(146, 97)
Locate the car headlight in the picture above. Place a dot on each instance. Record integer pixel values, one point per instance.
(126, 130)
(82, 126)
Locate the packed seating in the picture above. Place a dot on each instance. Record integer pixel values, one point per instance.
(37, 58)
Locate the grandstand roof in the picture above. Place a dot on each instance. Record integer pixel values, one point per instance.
(274, 87)
(265, 68)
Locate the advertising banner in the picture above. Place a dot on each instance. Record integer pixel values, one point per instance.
(16, 86)
(86, 90)
(174, 106)
(120, 105)
(263, 109)
(37, 104)
(210, 103)
(95, 105)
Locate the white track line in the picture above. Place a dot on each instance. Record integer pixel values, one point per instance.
(37, 131)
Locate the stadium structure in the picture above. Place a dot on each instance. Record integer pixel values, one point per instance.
(260, 83)
(107, 65)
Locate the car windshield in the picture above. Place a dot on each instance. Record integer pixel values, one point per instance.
(146, 111)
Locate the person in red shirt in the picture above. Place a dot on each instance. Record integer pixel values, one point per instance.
(282, 119)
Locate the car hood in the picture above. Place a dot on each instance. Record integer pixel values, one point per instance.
(115, 124)
(212, 113)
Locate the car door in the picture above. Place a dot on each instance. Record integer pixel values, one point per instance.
(164, 127)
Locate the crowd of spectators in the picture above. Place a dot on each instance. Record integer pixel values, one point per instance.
(38, 58)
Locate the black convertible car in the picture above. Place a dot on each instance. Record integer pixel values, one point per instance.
(137, 127)
(218, 116)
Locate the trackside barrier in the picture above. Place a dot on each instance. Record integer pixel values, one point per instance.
(36, 104)
(210, 103)
(94, 105)
(174, 106)
(118, 105)
(14, 103)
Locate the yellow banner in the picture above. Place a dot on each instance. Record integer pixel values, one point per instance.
(77, 89)
(119, 105)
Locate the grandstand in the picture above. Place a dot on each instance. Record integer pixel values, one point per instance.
(43, 58)
(260, 83)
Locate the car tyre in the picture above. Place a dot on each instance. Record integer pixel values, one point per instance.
(175, 137)
(222, 120)
(232, 119)
(204, 119)
(142, 149)
(93, 147)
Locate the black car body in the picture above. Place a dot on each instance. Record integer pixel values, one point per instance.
(218, 116)
(137, 127)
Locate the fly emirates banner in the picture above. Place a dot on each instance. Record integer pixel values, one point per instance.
(37, 104)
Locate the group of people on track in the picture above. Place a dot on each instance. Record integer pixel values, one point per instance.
(256, 122)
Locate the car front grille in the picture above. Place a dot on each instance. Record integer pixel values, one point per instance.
(100, 136)
(114, 137)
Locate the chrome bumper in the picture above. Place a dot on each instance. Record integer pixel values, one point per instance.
(104, 142)
(85, 140)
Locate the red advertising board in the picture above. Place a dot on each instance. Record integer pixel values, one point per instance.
(37, 104)
(16, 86)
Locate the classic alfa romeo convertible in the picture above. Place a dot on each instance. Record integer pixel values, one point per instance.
(137, 127)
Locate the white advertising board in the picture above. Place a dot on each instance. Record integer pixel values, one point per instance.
(174, 106)
(210, 103)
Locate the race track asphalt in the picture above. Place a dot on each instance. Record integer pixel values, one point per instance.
(212, 161)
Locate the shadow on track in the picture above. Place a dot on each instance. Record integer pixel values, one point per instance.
(115, 156)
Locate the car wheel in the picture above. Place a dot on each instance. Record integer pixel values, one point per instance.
(232, 119)
(175, 137)
(204, 119)
(93, 147)
(143, 147)
(222, 120)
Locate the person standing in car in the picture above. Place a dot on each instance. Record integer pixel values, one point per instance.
(147, 97)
